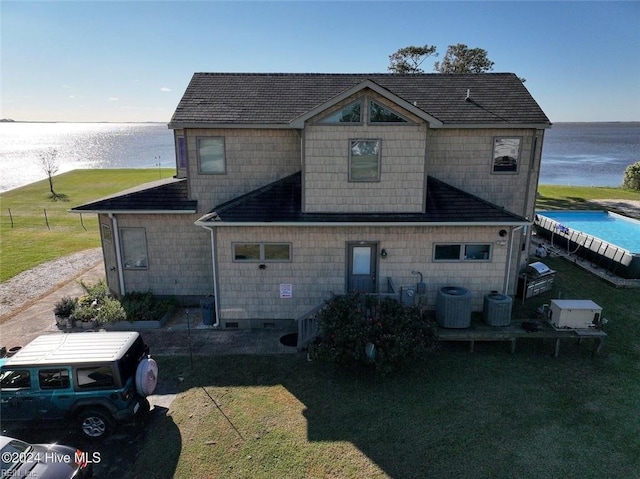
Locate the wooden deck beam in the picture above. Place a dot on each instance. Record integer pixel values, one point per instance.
(479, 331)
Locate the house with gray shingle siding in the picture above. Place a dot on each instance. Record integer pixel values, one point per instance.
(291, 187)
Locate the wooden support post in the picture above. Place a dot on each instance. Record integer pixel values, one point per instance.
(46, 219)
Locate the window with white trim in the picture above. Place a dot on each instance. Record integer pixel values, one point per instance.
(364, 160)
(506, 154)
(462, 252)
(262, 252)
(134, 248)
(211, 156)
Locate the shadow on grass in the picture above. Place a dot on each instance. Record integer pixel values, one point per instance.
(58, 197)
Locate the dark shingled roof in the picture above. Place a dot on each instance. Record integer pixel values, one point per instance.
(164, 195)
(281, 202)
(278, 98)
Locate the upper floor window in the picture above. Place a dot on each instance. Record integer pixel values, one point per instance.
(364, 160)
(506, 154)
(211, 156)
(181, 147)
(351, 113)
(382, 114)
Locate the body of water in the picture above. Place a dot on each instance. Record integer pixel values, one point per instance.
(589, 154)
(578, 154)
(80, 145)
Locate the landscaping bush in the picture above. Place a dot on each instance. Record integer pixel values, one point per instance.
(632, 177)
(360, 330)
(65, 306)
(94, 294)
(145, 306)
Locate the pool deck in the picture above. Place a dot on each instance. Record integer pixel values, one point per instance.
(602, 273)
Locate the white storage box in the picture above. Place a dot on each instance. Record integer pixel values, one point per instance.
(574, 313)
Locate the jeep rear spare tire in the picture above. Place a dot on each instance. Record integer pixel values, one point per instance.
(146, 377)
(94, 423)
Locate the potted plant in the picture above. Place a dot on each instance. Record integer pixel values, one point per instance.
(63, 309)
(85, 315)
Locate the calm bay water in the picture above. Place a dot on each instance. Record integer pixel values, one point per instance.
(579, 154)
(80, 145)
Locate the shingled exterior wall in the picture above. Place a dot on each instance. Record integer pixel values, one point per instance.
(179, 256)
(463, 158)
(326, 164)
(254, 158)
(318, 266)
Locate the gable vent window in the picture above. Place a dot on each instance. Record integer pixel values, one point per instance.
(382, 114)
(351, 113)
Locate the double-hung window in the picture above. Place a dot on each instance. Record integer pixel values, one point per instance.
(134, 248)
(211, 156)
(364, 160)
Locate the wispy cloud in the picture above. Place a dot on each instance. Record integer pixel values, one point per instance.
(164, 88)
(114, 98)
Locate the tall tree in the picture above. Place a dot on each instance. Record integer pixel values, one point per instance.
(462, 59)
(49, 165)
(409, 59)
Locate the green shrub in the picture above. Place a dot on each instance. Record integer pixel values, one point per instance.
(84, 312)
(111, 311)
(355, 325)
(145, 306)
(632, 177)
(65, 306)
(94, 294)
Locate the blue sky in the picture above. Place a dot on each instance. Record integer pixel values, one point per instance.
(131, 61)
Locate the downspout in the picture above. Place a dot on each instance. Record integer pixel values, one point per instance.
(116, 233)
(216, 296)
(505, 287)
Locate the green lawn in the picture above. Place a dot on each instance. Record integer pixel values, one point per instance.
(483, 415)
(487, 414)
(579, 197)
(29, 242)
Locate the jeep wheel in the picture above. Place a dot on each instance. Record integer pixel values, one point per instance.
(94, 423)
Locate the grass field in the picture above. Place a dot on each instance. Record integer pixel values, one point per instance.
(27, 241)
(483, 415)
(487, 414)
(579, 197)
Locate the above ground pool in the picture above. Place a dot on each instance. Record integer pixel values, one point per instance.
(606, 239)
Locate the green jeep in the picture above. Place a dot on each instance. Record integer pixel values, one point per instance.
(92, 380)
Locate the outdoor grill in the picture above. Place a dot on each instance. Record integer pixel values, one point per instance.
(537, 279)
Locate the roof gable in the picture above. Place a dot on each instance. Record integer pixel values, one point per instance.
(280, 100)
(366, 84)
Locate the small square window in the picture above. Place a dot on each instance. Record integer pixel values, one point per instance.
(447, 252)
(277, 252)
(246, 252)
(477, 252)
(364, 160)
(211, 156)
